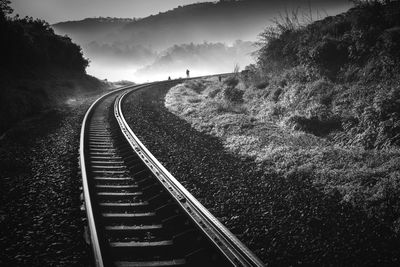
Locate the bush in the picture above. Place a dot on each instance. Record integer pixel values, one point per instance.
(252, 75)
(366, 39)
(379, 122)
(262, 85)
(214, 93)
(276, 93)
(278, 111)
(314, 125)
(194, 100)
(229, 107)
(233, 94)
(329, 55)
(231, 81)
(196, 85)
(321, 91)
(301, 74)
(33, 43)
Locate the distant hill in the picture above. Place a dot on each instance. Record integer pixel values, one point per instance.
(132, 44)
(212, 22)
(98, 28)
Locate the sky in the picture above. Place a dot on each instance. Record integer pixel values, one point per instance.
(54, 11)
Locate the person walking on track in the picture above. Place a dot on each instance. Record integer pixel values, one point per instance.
(187, 74)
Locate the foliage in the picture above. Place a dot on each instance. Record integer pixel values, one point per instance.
(231, 81)
(236, 69)
(377, 125)
(323, 104)
(5, 9)
(337, 76)
(365, 36)
(308, 128)
(277, 42)
(214, 93)
(38, 68)
(316, 125)
(262, 85)
(31, 42)
(197, 85)
(233, 94)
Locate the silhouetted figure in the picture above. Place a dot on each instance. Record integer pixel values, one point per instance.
(169, 78)
(187, 74)
(219, 78)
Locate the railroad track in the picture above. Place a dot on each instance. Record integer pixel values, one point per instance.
(137, 213)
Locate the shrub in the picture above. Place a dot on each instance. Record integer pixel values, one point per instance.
(196, 85)
(283, 83)
(379, 123)
(252, 75)
(236, 69)
(321, 91)
(276, 94)
(314, 125)
(278, 111)
(214, 93)
(329, 55)
(232, 94)
(228, 107)
(301, 74)
(231, 81)
(262, 85)
(194, 100)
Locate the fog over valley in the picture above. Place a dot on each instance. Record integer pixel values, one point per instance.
(205, 38)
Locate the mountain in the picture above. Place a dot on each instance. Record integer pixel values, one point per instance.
(210, 21)
(99, 28)
(135, 43)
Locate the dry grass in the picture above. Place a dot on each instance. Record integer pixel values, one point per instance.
(258, 128)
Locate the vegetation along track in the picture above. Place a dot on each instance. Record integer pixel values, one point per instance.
(138, 214)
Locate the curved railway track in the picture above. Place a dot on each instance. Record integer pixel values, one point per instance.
(137, 213)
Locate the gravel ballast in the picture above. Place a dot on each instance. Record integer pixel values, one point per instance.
(284, 220)
(40, 217)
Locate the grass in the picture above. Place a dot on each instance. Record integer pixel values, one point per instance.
(322, 102)
(260, 128)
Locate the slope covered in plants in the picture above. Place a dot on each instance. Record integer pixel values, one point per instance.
(37, 68)
(337, 76)
(322, 102)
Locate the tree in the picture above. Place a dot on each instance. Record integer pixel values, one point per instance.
(5, 8)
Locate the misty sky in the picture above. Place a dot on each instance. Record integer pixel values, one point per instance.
(62, 10)
(54, 11)
(121, 55)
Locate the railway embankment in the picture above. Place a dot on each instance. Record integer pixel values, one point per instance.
(285, 219)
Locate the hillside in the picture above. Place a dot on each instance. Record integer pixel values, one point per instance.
(321, 105)
(137, 43)
(211, 21)
(38, 69)
(99, 28)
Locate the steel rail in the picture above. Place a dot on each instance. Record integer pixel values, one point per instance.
(95, 244)
(237, 253)
(219, 237)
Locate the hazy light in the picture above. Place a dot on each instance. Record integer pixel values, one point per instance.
(54, 11)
